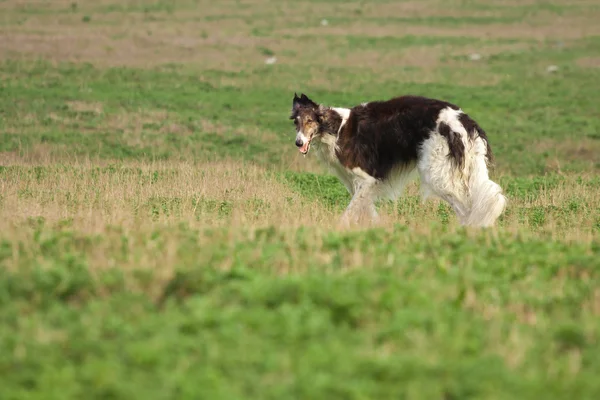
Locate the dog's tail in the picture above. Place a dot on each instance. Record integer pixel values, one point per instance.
(487, 200)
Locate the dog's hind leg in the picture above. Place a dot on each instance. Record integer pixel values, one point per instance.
(476, 200)
(441, 178)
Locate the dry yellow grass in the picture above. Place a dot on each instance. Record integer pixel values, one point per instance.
(96, 194)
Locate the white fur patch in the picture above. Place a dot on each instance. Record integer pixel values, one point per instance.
(450, 116)
(476, 200)
(360, 178)
(487, 200)
(300, 136)
(362, 174)
(344, 113)
(439, 176)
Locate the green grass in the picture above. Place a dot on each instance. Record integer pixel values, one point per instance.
(161, 238)
(515, 113)
(440, 316)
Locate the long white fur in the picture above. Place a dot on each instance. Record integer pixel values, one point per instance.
(476, 200)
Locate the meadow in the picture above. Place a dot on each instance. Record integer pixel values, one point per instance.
(161, 237)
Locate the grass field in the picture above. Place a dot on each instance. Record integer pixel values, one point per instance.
(162, 238)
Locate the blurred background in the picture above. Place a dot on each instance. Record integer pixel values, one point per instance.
(205, 80)
(161, 237)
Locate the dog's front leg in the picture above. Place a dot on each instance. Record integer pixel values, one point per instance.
(361, 204)
(374, 217)
(349, 215)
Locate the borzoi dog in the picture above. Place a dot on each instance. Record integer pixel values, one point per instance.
(375, 149)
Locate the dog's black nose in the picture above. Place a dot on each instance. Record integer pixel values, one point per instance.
(299, 142)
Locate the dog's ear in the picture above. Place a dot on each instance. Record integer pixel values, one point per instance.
(296, 103)
(308, 102)
(302, 101)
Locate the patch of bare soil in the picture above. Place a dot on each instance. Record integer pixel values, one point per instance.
(134, 50)
(417, 56)
(420, 9)
(134, 39)
(580, 150)
(575, 27)
(424, 57)
(521, 3)
(590, 62)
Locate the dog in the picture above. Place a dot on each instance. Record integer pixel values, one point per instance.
(376, 148)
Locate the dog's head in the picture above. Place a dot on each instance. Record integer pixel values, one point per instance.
(307, 118)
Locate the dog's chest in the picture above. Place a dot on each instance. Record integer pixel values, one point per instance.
(326, 152)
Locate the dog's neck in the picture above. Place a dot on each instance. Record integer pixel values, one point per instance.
(332, 119)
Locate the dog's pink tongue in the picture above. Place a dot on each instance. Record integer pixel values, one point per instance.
(304, 148)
